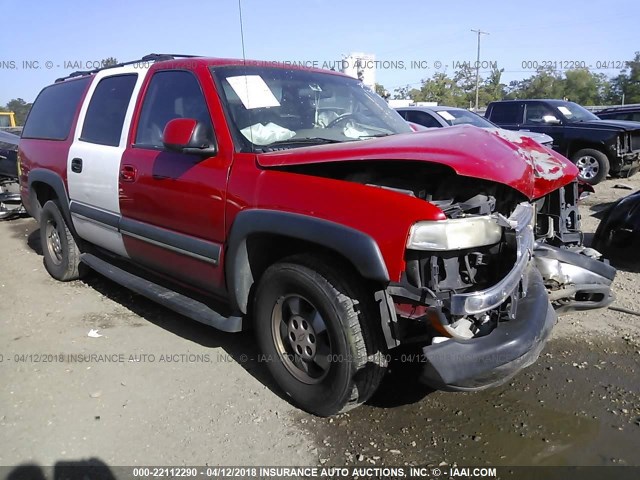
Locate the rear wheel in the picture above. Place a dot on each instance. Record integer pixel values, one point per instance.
(319, 335)
(61, 253)
(592, 164)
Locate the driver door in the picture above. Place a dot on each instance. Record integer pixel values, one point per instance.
(172, 203)
(538, 117)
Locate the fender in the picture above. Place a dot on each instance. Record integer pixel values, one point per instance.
(57, 184)
(360, 249)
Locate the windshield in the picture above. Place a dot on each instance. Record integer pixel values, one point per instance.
(288, 108)
(575, 113)
(464, 117)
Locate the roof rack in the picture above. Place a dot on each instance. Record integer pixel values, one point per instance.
(152, 57)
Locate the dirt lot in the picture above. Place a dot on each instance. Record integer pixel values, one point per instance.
(161, 389)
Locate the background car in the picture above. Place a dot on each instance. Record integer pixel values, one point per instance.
(436, 117)
(627, 112)
(597, 147)
(618, 233)
(10, 203)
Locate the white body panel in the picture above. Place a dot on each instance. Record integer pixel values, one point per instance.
(97, 185)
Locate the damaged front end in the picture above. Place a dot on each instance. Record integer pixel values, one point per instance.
(480, 288)
(577, 277)
(474, 296)
(474, 286)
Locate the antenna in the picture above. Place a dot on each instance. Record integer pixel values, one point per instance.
(244, 62)
(244, 58)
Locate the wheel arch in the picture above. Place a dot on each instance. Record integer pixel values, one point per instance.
(577, 145)
(45, 185)
(259, 237)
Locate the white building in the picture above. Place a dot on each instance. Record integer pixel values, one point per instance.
(362, 66)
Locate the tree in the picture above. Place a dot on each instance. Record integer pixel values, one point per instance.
(402, 93)
(583, 87)
(380, 90)
(465, 80)
(546, 83)
(439, 88)
(628, 82)
(20, 108)
(493, 89)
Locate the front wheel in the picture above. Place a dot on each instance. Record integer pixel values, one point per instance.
(61, 253)
(593, 165)
(318, 333)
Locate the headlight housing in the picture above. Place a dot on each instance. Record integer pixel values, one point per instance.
(454, 234)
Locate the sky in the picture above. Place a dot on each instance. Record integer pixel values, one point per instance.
(47, 40)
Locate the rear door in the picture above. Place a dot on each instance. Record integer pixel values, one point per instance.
(507, 114)
(93, 163)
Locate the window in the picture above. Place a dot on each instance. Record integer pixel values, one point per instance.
(538, 113)
(107, 109)
(422, 118)
(508, 112)
(53, 111)
(171, 94)
(634, 117)
(266, 105)
(459, 116)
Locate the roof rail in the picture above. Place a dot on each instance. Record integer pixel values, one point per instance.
(152, 57)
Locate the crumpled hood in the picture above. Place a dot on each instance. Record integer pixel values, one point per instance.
(504, 157)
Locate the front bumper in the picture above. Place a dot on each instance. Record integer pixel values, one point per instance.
(484, 362)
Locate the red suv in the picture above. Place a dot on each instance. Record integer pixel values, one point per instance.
(296, 202)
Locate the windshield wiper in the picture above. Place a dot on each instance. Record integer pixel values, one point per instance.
(377, 135)
(304, 141)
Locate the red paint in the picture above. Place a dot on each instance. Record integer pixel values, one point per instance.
(201, 197)
(179, 192)
(46, 154)
(384, 215)
(470, 151)
(128, 173)
(178, 132)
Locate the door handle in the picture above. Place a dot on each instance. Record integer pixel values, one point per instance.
(76, 165)
(128, 173)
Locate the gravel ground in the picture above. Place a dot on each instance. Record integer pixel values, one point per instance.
(166, 390)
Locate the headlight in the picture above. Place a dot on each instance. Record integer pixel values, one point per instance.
(454, 234)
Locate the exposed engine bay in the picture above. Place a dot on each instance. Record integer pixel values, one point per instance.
(428, 297)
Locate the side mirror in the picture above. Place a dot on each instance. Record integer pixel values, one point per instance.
(186, 135)
(551, 120)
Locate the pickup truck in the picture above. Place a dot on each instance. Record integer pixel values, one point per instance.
(296, 203)
(598, 147)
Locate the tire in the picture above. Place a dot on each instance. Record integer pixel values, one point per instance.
(61, 253)
(336, 329)
(593, 165)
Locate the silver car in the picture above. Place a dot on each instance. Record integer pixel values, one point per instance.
(440, 116)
